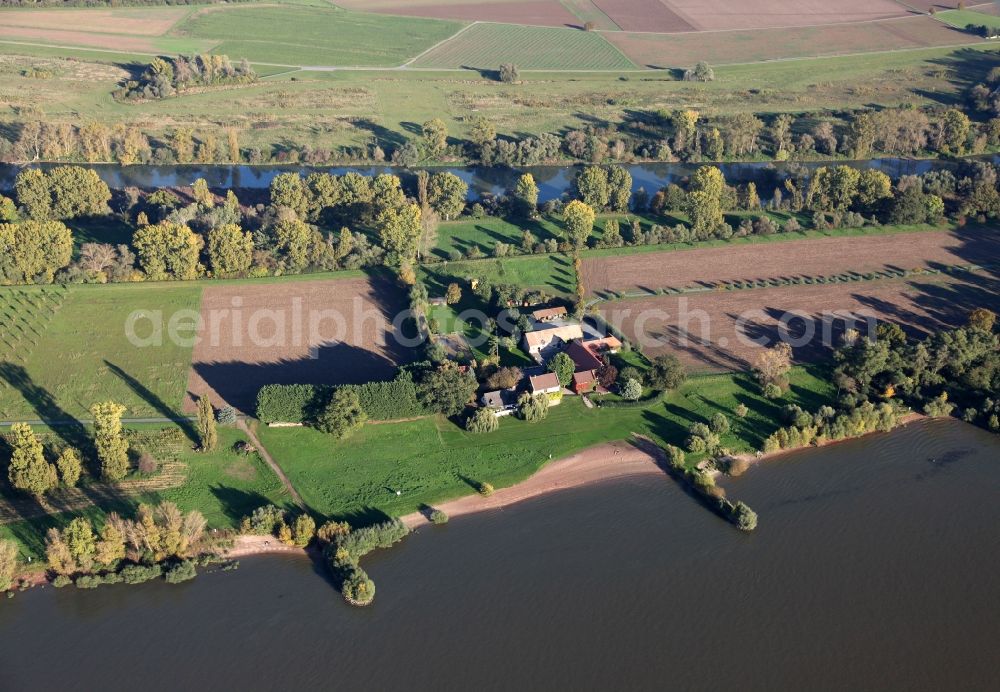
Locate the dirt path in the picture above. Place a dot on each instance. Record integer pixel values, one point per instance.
(266, 456)
(600, 463)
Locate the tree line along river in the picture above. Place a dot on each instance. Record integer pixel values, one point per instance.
(553, 181)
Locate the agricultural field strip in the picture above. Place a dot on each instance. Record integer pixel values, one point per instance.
(722, 330)
(849, 276)
(750, 30)
(710, 266)
(504, 42)
(409, 64)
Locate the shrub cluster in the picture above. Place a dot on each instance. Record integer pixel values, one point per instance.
(828, 424)
(348, 549)
(165, 77)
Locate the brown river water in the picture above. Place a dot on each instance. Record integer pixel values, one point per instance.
(874, 566)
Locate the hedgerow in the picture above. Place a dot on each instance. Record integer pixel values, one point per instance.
(299, 403)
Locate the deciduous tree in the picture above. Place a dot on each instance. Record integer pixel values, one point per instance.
(28, 470)
(112, 447)
(446, 390)
(32, 251)
(343, 415)
(772, 365)
(704, 201)
(667, 372)
(399, 230)
(526, 195)
(168, 251)
(9, 563)
(208, 436)
(563, 367)
(230, 250)
(579, 220)
(446, 194)
(591, 186)
(69, 467)
(435, 137)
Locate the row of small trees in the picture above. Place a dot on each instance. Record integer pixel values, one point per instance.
(663, 135)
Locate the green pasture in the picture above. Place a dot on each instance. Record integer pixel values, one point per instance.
(552, 274)
(433, 459)
(487, 46)
(962, 18)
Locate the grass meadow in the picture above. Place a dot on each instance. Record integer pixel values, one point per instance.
(329, 109)
(962, 18)
(66, 349)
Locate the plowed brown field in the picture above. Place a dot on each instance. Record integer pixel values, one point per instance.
(754, 45)
(718, 330)
(717, 15)
(811, 257)
(644, 15)
(328, 331)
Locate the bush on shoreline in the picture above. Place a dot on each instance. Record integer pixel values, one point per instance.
(344, 554)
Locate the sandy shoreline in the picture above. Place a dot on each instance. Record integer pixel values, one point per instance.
(603, 462)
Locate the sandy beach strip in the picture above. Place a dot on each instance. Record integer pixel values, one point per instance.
(595, 464)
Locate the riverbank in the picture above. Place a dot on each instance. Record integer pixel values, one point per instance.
(760, 457)
(608, 461)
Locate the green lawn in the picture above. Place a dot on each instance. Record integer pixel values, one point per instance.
(62, 350)
(487, 46)
(552, 274)
(223, 485)
(962, 18)
(295, 35)
(432, 459)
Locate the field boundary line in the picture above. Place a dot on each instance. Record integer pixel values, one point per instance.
(596, 7)
(438, 44)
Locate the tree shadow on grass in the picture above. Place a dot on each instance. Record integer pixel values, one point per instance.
(237, 503)
(362, 516)
(70, 430)
(161, 407)
(664, 428)
(469, 482)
